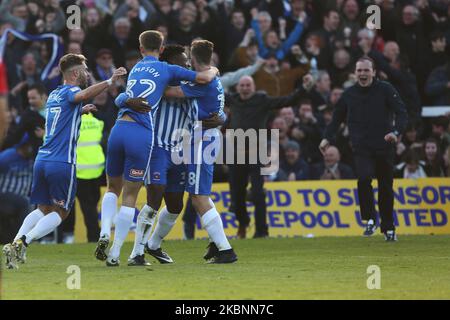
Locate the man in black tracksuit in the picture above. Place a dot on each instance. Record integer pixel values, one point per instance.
(369, 107)
(251, 110)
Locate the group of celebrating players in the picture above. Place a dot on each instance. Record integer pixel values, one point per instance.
(162, 98)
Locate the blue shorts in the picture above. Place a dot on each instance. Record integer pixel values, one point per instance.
(200, 167)
(163, 171)
(129, 150)
(54, 183)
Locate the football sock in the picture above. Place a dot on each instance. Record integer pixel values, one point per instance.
(213, 224)
(145, 221)
(123, 223)
(43, 227)
(166, 221)
(109, 209)
(29, 222)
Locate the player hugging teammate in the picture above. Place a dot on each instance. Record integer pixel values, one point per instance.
(183, 107)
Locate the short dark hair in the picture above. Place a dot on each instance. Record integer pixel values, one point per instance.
(202, 50)
(39, 87)
(366, 58)
(151, 40)
(71, 60)
(170, 52)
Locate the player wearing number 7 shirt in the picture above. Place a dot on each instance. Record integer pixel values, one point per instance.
(131, 140)
(54, 174)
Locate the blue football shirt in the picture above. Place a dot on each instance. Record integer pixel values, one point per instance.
(148, 79)
(209, 98)
(62, 126)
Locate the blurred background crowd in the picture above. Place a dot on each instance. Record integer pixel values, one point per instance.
(276, 42)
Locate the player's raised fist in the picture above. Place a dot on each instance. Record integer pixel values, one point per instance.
(118, 73)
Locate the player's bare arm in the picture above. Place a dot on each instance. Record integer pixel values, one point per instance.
(206, 76)
(97, 88)
(138, 104)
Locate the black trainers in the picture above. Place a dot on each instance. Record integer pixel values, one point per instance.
(211, 252)
(224, 256)
(370, 229)
(159, 255)
(138, 261)
(100, 250)
(390, 236)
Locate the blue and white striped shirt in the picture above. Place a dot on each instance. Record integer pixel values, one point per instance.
(16, 173)
(170, 119)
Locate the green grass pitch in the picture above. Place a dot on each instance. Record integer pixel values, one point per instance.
(416, 267)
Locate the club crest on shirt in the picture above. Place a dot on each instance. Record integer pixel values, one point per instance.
(135, 173)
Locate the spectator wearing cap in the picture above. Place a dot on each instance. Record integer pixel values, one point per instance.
(104, 67)
(293, 165)
(331, 168)
(277, 81)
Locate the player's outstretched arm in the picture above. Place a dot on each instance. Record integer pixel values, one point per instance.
(206, 76)
(97, 88)
(139, 104)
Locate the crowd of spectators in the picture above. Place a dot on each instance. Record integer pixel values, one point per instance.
(277, 42)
